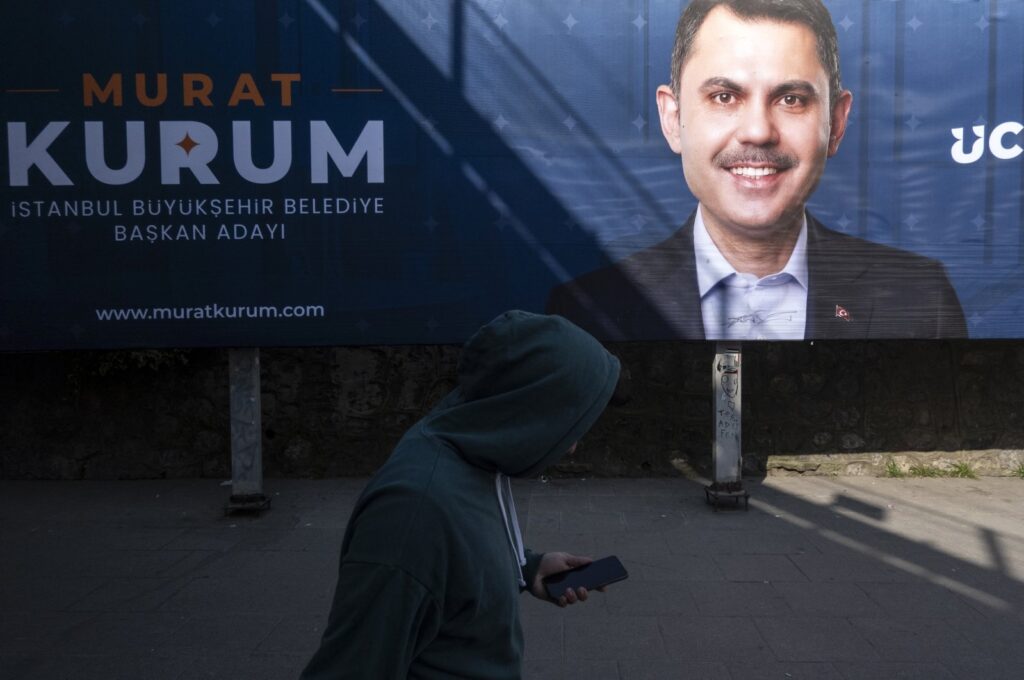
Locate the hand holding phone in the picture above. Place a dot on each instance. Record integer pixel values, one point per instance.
(596, 574)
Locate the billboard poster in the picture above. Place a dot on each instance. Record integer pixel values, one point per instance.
(328, 172)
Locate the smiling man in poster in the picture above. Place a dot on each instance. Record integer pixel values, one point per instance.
(754, 109)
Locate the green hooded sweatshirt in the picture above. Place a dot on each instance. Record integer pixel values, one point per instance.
(432, 561)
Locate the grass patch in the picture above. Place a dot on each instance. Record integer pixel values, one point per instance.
(963, 470)
(893, 470)
(1019, 471)
(922, 470)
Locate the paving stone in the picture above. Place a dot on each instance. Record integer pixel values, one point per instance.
(238, 633)
(920, 600)
(847, 567)
(130, 595)
(545, 522)
(631, 546)
(997, 637)
(37, 633)
(676, 568)
(592, 522)
(641, 598)
(709, 539)
(984, 669)
(713, 639)
(759, 568)
(126, 666)
(127, 633)
(896, 671)
(34, 594)
(653, 520)
(841, 600)
(225, 594)
(543, 638)
(558, 541)
(783, 671)
(613, 639)
(815, 639)
(915, 639)
(738, 599)
(672, 669)
(576, 669)
(215, 665)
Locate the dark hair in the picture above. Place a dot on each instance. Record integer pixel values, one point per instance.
(810, 13)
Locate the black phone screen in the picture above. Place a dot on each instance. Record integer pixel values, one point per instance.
(590, 576)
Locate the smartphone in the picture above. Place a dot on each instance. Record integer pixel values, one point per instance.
(590, 576)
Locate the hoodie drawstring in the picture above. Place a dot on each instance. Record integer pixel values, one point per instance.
(503, 485)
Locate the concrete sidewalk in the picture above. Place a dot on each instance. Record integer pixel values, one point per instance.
(844, 578)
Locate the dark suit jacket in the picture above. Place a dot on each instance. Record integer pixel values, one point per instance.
(856, 289)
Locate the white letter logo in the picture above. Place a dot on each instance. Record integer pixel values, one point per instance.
(21, 155)
(95, 158)
(995, 141)
(324, 144)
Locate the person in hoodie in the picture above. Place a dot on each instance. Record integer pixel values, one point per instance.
(432, 561)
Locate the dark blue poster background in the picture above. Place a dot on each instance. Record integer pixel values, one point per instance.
(401, 171)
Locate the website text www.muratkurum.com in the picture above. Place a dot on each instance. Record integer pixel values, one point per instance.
(210, 312)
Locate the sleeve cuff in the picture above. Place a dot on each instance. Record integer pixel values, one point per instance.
(530, 570)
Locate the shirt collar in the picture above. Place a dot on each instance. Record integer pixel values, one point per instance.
(713, 268)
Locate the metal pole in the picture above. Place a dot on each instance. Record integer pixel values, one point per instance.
(728, 436)
(246, 433)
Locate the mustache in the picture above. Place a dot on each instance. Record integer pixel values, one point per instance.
(777, 159)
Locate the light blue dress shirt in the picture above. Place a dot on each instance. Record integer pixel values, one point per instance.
(739, 306)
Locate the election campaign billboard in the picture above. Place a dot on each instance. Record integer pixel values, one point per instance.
(326, 172)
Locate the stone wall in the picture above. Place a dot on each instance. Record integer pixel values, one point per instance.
(338, 411)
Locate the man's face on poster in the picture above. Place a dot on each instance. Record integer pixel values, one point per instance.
(752, 122)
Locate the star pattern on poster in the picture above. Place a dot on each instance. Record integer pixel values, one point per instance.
(286, 20)
(915, 24)
(913, 122)
(639, 22)
(846, 23)
(429, 21)
(213, 20)
(570, 21)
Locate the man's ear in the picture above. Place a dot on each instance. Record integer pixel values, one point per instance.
(668, 112)
(840, 115)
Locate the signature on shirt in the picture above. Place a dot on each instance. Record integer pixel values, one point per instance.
(758, 317)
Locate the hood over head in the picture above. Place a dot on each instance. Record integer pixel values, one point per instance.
(529, 387)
